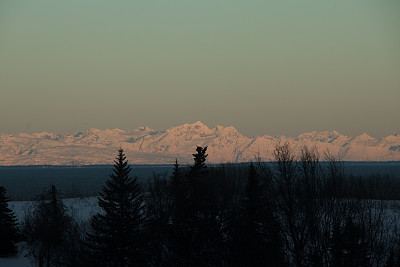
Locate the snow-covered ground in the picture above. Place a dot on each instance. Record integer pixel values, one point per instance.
(19, 261)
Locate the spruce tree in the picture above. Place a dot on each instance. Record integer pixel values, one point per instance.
(8, 227)
(255, 231)
(180, 239)
(158, 217)
(199, 160)
(175, 179)
(191, 214)
(116, 238)
(177, 190)
(48, 230)
(176, 173)
(201, 237)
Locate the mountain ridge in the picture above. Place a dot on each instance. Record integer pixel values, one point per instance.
(144, 145)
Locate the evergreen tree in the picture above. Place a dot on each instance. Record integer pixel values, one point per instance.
(255, 231)
(177, 187)
(177, 171)
(196, 238)
(175, 181)
(48, 230)
(199, 160)
(181, 208)
(117, 237)
(158, 209)
(203, 220)
(254, 194)
(8, 227)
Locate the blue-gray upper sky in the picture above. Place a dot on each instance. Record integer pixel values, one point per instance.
(265, 67)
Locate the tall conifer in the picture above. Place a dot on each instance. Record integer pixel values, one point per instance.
(199, 160)
(116, 238)
(48, 230)
(8, 227)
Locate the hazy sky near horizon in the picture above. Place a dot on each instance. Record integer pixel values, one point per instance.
(265, 67)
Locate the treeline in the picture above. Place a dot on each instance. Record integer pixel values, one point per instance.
(295, 212)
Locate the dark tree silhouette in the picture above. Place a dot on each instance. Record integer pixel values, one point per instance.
(199, 160)
(48, 230)
(117, 238)
(181, 217)
(349, 245)
(9, 234)
(196, 216)
(177, 171)
(255, 231)
(158, 209)
(204, 214)
(175, 182)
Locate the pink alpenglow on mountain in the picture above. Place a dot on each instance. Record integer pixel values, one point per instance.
(147, 146)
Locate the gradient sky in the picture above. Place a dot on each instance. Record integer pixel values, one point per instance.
(265, 67)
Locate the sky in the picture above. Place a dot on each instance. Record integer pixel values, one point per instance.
(264, 67)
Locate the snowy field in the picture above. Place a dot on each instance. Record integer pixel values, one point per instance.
(19, 261)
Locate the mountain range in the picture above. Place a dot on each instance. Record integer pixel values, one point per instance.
(147, 146)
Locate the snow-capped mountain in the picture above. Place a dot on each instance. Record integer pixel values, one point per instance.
(147, 146)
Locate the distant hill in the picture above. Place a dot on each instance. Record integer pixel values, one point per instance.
(146, 146)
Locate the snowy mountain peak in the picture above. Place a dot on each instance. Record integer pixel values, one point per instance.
(334, 132)
(230, 130)
(118, 130)
(143, 129)
(196, 128)
(45, 135)
(266, 136)
(394, 138)
(199, 123)
(319, 136)
(24, 135)
(364, 136)
(92, 131)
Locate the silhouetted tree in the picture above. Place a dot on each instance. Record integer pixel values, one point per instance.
(117, 238)
(158, 214)
(255, 231)
(181, 236)
(9, 233)
(350, 247)
(205, 215)
(176, 171)
(196, 216)
(49, 230)
(305, 213)
(175, 182)
(199, 160)
(254, 193)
